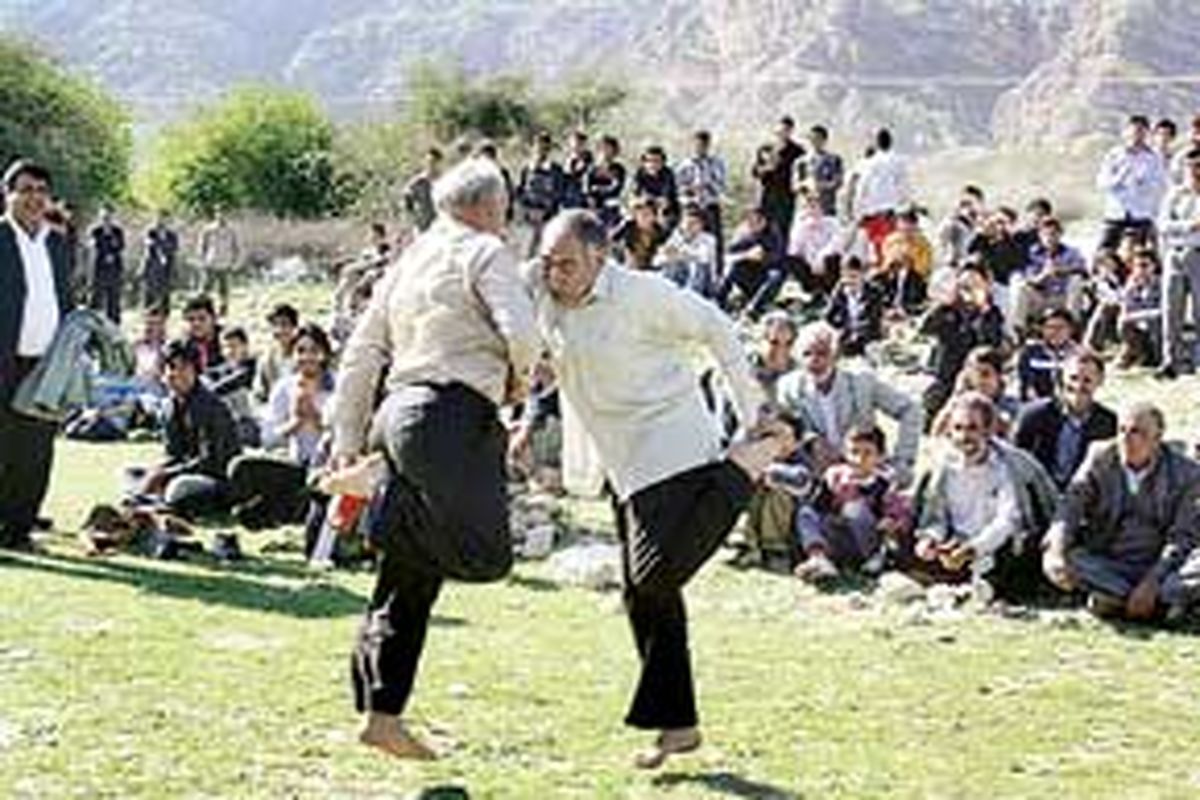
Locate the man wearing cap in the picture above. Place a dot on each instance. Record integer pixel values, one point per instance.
(33, 299)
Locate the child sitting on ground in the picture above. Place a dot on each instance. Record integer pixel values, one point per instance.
(853, 511)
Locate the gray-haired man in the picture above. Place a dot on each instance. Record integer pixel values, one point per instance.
(622, 344)
(453, 326)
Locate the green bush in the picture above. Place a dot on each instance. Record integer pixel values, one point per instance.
(259, 149)
(75, 129)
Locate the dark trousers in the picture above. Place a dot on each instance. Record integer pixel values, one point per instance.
(759, 282)
(712, 224)
(26, 457)
(667, 531)
(196, 496)
(268, 492)
(444, 515)
(158, 287)
(1114, 229)
(814, 283)
(106, 295)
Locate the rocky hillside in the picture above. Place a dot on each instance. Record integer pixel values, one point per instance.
(944, 71)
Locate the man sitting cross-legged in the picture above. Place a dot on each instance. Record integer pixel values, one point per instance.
(1126, 529)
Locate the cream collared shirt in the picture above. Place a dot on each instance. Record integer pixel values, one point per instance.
(451, 309)
(39, 319)
(626, 364)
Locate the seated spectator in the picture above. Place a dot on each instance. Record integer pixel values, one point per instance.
(148, 352)
(232, 379)
(1058, 430)
(754, 264)
(855, 309)
(775, 359)
(902, 287)
(637, 239)
(964, 319)
(908, 246)
(981, 508)
(1125, 532)
(200, 317)
(1134, 311)
(814, 246)
(284, 319)
(1040, 360)
(957, 232)
(271, 490)
(604, 181)
(824, 401)
(1055, 278)
(983, 372)
(689, 255)
(1026, 233)
(654, 178)
(1001, 255)
(200, 441)
(854, 511)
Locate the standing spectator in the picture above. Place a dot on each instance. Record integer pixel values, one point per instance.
(1041, 359)
(1058, 430)
(579, 161)
(638, 238)
(489, 151)
(701, 179)
(823, 170)
(219, 256)
(689, 255)
(965, 319)
(284, 321)
(1180, 227)
(654, 178)
(1164, 135)
(418, 192)
(200, 439)
(774, 169)
(158, 266)
(108, 265)
(203, 331)
(881, 190)
(33, 300)
(755, 260)
(1055, 278)
(1125, 532)
(1133, 179)
(605, 181)
(1178, 172)
(541, 189)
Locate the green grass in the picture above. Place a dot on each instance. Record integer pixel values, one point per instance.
(126, 677)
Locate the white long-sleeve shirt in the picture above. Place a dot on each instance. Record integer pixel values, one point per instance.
(882, 185)
(1133, 181)
(981, 505)
(39, 319)
(1179, 218)
(626, 364)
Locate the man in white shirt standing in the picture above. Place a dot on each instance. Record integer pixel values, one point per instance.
(622, 345)
(881, 189)
(1133, 179)
(33, 299)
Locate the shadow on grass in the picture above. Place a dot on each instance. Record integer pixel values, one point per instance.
(305, 601)
(728, 783)
(532, 583)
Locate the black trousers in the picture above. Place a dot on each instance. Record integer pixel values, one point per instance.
(1114, 229)
(26, 457)
(444, 515)
(158, 287)
(667, 531)
(268, 492)
(106, 295)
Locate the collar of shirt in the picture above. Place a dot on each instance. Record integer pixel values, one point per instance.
(602, 287)
(38, 238)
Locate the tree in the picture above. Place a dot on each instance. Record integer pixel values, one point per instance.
(80, 133)
(260, 149)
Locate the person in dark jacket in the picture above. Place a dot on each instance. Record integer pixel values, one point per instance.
(108, 266)
(158, 267)
(604, 182)
(754, 264)
(200, 437)
(1059, 430)
(655, 178)
(963, 321)
(855, 309)
(34, 285)
(1040, 361)
(541, 188)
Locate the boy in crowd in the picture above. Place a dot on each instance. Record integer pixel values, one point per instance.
(1041, 360)
(856, 309)
(231, 381)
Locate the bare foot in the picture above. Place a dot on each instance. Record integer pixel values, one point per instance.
(388, 733)
(675, 741)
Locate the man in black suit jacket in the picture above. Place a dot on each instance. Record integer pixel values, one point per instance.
(33, 299)
(1059, 430)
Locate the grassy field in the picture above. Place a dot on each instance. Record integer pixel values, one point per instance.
(126, 677)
